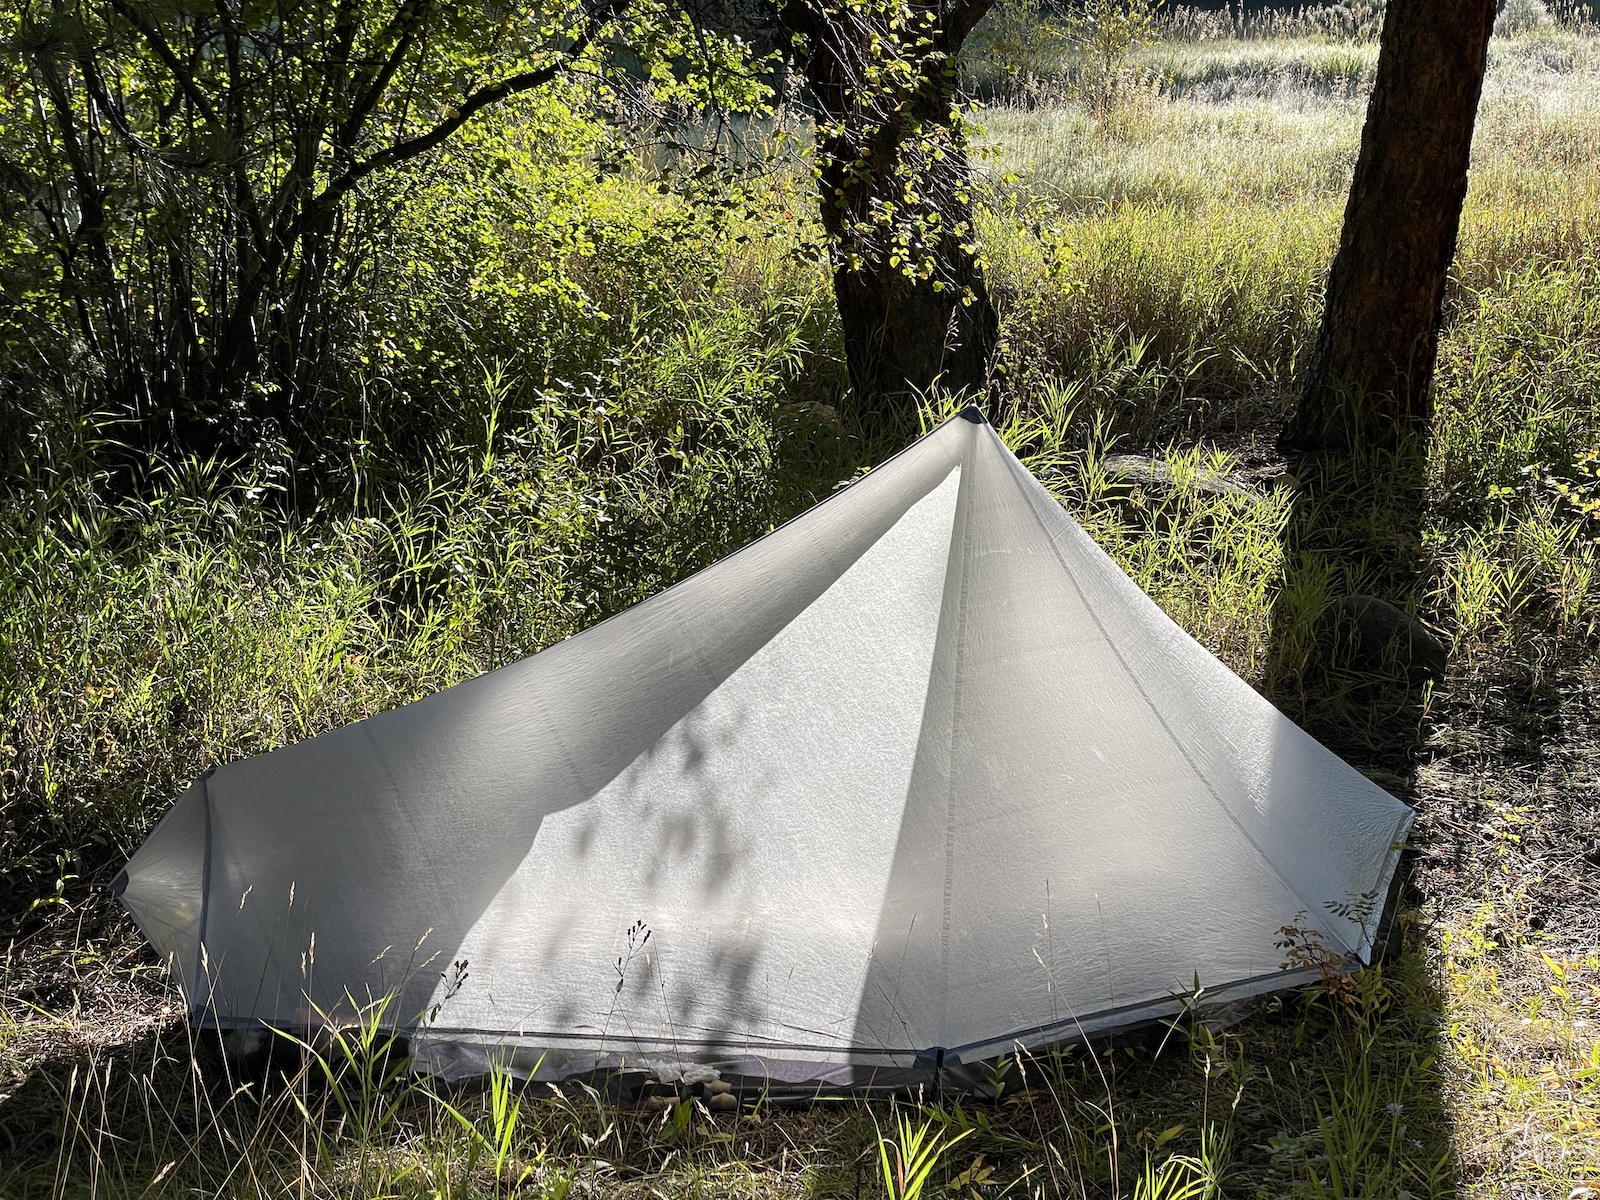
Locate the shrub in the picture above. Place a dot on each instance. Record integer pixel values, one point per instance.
(1522, 16)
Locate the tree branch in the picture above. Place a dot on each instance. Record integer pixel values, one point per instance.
(957, 24)
(244, 193)
(400, 34)
(95, 85)
(158, 44)
(482, 98)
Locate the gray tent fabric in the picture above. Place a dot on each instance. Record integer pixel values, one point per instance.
(918, 780)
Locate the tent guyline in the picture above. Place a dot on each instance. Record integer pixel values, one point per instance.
(914, 782)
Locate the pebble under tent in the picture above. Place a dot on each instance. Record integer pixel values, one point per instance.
(916, 781)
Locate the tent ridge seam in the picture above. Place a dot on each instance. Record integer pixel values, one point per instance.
(948, 898)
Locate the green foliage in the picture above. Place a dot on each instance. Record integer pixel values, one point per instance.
(201, 194)
(512, 256)
(892, 160)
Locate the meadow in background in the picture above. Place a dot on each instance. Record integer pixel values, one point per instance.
(578, 389)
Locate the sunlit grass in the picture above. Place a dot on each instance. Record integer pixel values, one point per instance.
(1290, 142)
(1299, 74)
(1182, 153)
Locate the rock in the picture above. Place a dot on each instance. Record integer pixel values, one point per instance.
(1151, 472)
(813, 414)
(722, 1102)
(240, 1045)
(676, 1074)
(718, 1086)
(1370, 634)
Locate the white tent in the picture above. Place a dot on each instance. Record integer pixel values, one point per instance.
(916, 779)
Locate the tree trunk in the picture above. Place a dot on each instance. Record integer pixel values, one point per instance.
(1370, 374)
(901, 335)
(896, 197)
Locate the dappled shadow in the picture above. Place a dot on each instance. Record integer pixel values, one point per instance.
(359, 863)
(1354, 674)
(750, 842)
(35, 1113)
(111, 1115)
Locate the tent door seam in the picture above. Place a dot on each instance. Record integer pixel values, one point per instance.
(205, 894)
(955, 730)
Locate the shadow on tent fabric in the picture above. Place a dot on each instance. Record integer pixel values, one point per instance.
(433, 867)
(296, 886)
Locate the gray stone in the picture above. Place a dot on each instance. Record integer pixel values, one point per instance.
(1149, 471)
(1370, 634)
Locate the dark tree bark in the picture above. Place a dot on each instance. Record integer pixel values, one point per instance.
(1375, 352)
(895, 191)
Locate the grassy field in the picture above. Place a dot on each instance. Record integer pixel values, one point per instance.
(1158, 274)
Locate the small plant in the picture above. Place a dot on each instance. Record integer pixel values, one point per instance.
(1578, 491)
(909, 1159)
(1362, 1139)
(359, 1057)
(1178, 1178)
(1304, 949)
(499, 1143)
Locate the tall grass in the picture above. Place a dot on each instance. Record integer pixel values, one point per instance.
(1326, 1082)
(148, 637)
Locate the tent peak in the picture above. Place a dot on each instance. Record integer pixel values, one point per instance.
(972, 413)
